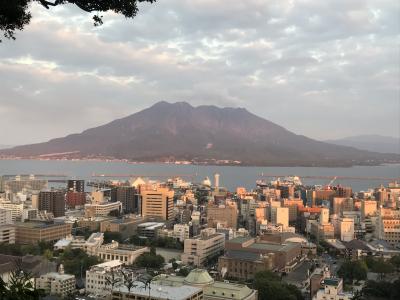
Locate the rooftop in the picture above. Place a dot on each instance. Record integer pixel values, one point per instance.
(161, 291)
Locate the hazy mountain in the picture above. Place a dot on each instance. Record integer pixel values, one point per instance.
(377, 143)
(5, 146)
(180, 131)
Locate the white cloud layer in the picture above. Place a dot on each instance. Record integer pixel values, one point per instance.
(324, 69)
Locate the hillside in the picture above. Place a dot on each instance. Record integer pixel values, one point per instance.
(200, 134)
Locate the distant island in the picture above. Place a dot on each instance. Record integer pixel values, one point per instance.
(182, 134)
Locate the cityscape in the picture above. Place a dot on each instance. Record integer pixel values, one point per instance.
(141, 238)
(199, 150)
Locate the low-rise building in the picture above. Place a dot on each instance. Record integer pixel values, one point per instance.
(102, 209)
(32, 232)
(56, 283)
(332, 290)
(125, 226)
(127, 254)
(96, 278)
(198, 250)
(7, 234)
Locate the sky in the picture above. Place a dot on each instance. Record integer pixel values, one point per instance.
(324, 69)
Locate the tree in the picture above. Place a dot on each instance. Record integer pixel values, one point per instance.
(128, 280)
(353, 270)
(270, 287)
(20, 286)
(15, 14)
(149, 260)
(112, 236)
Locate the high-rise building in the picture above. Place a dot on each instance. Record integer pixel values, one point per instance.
(76, 185)
(225, 215)
(5, 216)
(346, 229)
(128, 196)
(324, 216)
(52, 201)
(73, 199)
(368, 208)
(158, 203)
(280, 215)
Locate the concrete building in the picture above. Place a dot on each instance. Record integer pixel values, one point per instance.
(332, 290)
(346, 229)
(198, 250)
(285, 256)
(242, 265)
(76, 185)
(127, 254)
(158, 203)
(7, 234)
(74, 199)
(368, 208)
(198, 285)
(180, 232)
(388, 226)
(225, 215)
(20, 183)
(280, 215)
(16, 209)
(56, 283)
(125, 226)
(96, 278)
(149, 229)
(128, 196)
(33, 232)
(324, 216)
(102, 209)
(52, 201)
(5, 216)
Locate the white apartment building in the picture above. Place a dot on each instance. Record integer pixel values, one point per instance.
(5, 216)
(333, 290)
(96, 278)
(346, 226)
(180, 232)
(208, 245)
(7, 234)
(56, 283)
(16, 209)
(101, 209)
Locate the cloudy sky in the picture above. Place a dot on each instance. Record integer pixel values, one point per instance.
(325, 69)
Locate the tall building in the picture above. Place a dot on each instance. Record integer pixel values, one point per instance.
(128, 196)
(74, 199)
(346, 229)
(5, 216)
(20, 183)
(76, 185)
(158, 203)
(225, 215)
(368, 208)
(324, 216)
(280, 215)
(52, 201)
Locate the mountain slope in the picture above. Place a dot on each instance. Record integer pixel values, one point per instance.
(377, 143)
(179, 131)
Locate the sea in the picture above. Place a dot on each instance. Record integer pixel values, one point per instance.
(362, 177)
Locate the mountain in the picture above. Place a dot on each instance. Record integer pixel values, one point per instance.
(377, 143)
(202, 134)
(5, 146)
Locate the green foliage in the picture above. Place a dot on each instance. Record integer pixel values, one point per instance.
(382, 290)
(150, 260)
(353, 270)
(112, 236)
(379, 265)
(183, 272)
(270, 287)
(75, 259)
(167, 242)
(20, 286)
(395, 261)
(21, 250)
(15, 14)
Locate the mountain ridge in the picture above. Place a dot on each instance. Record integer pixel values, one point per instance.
(203, 134)
(370, 142)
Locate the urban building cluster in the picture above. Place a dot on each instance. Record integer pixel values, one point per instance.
(226, 237)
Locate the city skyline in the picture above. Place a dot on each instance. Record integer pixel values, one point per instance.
(314, 68)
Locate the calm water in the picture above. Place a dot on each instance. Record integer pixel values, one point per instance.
(230, 176)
